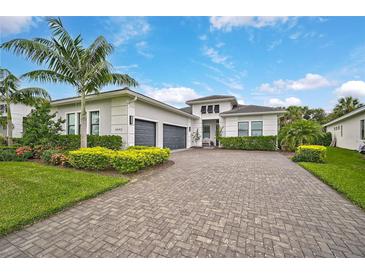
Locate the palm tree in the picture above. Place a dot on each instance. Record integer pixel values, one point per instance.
(293, 113)
(299, 133)
(86, 69)
(10, 93)
(346, 105)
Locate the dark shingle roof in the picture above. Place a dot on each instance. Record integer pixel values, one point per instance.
(187, 110)
(250, 109)
(213, 97)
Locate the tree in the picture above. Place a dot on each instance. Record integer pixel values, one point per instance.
(10, 93)
(41, 127)
(299, 133)
(293, 113)
(346, 105)
(315, 114)
(68, 61)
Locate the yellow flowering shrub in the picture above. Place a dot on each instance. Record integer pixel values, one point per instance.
(310, 153)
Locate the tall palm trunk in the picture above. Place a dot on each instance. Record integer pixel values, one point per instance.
(9, 124)
(83, 134)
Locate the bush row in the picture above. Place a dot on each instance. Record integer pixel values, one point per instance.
(310, 153)
(125, 161)
(249, 142)
(15, 153)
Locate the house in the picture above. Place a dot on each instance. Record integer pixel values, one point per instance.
(18, 113)
(142, 120)
(348, 131)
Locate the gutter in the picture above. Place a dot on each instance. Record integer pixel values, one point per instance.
(251, 113)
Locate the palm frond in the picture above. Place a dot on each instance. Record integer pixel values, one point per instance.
(31, 96)
(47, 76)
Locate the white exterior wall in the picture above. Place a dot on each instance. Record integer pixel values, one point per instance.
(161, 116)
(198, 124)
(351, 138)
(269, 124)
(18, 111)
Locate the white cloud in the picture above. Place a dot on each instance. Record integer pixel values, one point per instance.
(352, 88)
(127, 28)
(226, 23)
(203, 37)
(229, 82)
(220, 44)
(171, 95)
(291, 101)
(310, 81)
(217, 58)
(143, 49)
(15, 24)
(125, 68)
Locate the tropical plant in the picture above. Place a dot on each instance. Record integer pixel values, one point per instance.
(293, 113)
(41, 126)
(300, 132)
(11, 93)
(346, 105)
(68, 61)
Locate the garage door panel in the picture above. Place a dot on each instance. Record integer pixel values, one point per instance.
(145, 133)
(174, 137)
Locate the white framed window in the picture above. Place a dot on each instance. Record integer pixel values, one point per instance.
(362, 129)
(206, 131)
(243, 129)
(71, 123)
(256, 128)
(94, 123)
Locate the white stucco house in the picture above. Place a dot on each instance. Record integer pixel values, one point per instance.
(18, 112)
(142, 120)
(348, 131)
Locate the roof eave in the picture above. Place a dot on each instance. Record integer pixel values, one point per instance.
(253, 113)
(192, 102)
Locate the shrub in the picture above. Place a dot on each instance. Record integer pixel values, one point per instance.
(324, 140)
(47, 155)
(8, 153)
(72, 142)
(249, 142)
(97, 158)
(24, 152)
(138, 147)
(310, 153)
(38, 151)
(136, 158)
(300, 132)
(59, 159)
(2, 139)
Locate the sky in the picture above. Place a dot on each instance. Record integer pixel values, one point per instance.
(271, 61)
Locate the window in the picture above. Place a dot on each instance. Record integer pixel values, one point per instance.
(362, 129)
(71, 123)
(206, 131)
(204, 109)
(94, 123)
(216, 108)
(341, 131)
(210, 109)
(243, 129)
(256, 128)
(2, 109)
(79, 123)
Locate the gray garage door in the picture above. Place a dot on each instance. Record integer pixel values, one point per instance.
(174, 137)
(144, 133)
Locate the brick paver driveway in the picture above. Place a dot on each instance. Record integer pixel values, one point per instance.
(210, 203)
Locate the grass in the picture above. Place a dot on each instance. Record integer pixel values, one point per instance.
(31, 191)
(344, 170)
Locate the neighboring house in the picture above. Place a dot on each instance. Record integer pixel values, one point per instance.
(18, 113)
(348, 131)
(141, 120)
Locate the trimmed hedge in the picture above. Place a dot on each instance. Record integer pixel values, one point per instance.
(97, 158)
(324, 140)
(125, 161)
(249, 142)
(72, 142)
(310, 153)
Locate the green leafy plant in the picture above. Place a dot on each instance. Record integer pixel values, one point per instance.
(310, 153)
(249, 143)
(96, 158)
(24, 152)
(8, 153)
(69, 62)
(72, 142)
(299, 133)
(324, 140)
(41, 127)
(59, 159)
(47, 155)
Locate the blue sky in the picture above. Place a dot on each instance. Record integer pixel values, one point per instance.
(276, 61)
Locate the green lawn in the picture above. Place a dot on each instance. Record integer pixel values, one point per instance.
(31, 191)
(344, 171)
